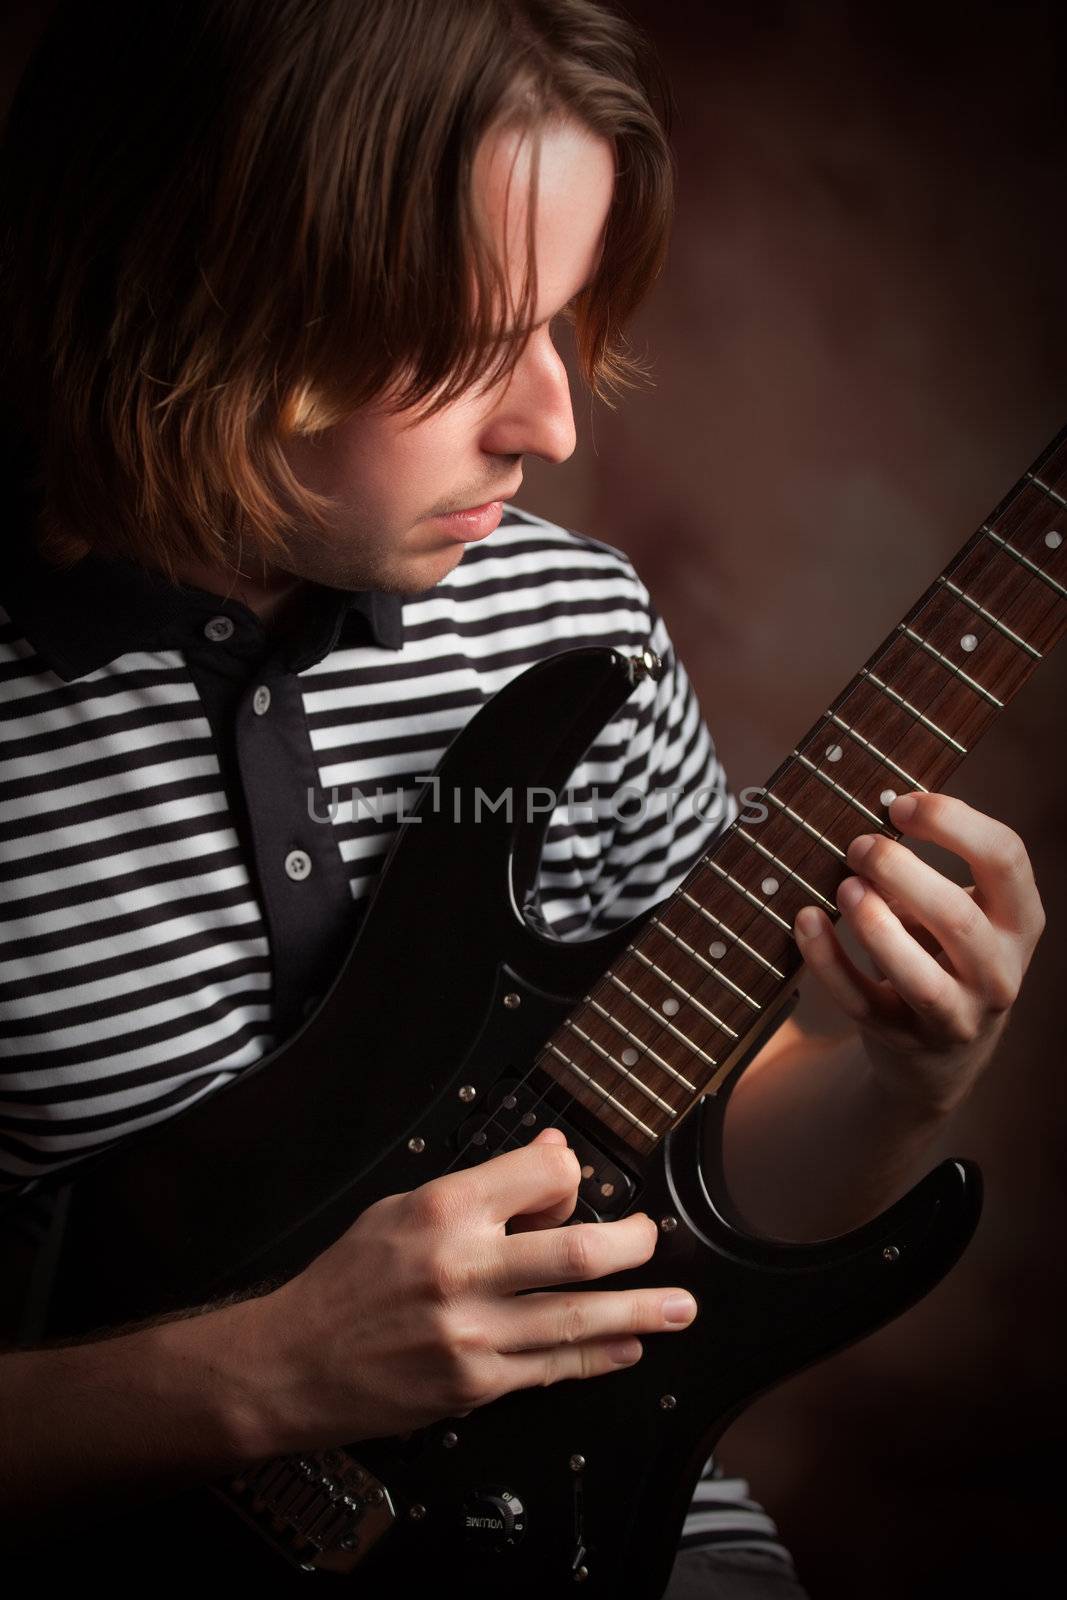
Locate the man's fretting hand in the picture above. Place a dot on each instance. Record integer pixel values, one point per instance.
(952, 958)
(416, 1314)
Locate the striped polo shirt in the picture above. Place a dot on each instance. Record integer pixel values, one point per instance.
(194, 810)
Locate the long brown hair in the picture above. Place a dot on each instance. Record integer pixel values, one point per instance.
(228, 219)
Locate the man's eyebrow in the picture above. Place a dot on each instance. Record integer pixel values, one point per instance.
(515, 333)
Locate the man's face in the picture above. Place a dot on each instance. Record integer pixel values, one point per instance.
(393, 478)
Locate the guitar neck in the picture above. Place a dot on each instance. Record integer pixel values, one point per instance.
(669, 1019)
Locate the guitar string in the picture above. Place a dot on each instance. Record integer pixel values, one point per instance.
(943, 685)
(791, 872)
(661, 1033)
(1014, 586)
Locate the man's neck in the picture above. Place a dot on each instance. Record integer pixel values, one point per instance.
(274, 597)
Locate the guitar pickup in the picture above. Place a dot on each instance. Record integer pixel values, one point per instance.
(515, 1113)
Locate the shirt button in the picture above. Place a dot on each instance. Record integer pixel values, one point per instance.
(218, 629)
(261, 700)
(298, 864)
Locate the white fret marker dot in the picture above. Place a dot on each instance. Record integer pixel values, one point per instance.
(834, 752)
(769, 885)
(887, 796)
(716, 948)
(671, 1006)
(969, 641)
(629, 1057)
(1054, 539)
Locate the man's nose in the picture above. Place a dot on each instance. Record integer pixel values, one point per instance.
(534, 415)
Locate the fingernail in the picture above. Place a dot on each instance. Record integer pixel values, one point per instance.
(903, 807)
(624, 1352)
(851, 892)
(809, 923)
(679, 1309)
(859, 847)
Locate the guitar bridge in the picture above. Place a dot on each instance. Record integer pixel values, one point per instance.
(322, 1511)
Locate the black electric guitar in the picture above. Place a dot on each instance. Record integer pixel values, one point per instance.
(457, 1027)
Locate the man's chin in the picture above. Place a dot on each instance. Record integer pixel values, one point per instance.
(426, 571)
(408, 574)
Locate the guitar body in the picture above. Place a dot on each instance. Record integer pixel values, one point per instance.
(451, 987)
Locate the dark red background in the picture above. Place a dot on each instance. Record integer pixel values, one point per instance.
(860, 342)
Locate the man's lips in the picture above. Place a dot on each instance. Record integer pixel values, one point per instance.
(476, 523)
(504, 494)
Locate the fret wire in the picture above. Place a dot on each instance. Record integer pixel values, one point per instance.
(951, 665)
(752, 899)
(831, 783)
(914, 711)
(736, 937)
(690, 998)
(646, 1049)
(802, 822)
(1046, 577)
(879, 755)
(664, 1022)
(1002, 627)
(787, 869)
(709, 966)
(1046, 488)
(879, 822)
(604, 1094)
(632, 1077)
(911, 709)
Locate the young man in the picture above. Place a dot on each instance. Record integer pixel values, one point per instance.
(283, 280)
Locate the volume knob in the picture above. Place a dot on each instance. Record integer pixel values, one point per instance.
(493, 1519)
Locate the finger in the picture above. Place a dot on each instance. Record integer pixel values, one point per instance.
(954, 917)
(526, 1222)
(995, 854)
(535, 1368)
(570, 1255)
(859, 997)
(538, 1176)
(915, 928)
(549, 1136)
(540, 1321)
(911, 972)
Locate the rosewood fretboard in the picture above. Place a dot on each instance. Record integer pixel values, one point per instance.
(667, 1020)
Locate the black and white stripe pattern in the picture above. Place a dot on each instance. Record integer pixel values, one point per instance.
(531, 591)
(135, 974)
(722, 1512)
(135, 970)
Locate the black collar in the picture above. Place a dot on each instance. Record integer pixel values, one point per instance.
(82, 617)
